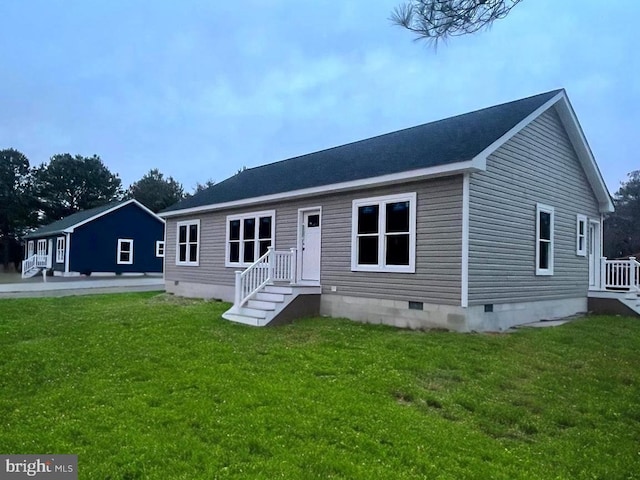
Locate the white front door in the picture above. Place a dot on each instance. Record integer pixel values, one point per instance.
(594, 254)
(50, 254)
(310, 245)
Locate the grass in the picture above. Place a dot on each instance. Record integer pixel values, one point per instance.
(151, 387)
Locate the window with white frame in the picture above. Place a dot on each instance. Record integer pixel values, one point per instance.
(125, 251)
(30, 248)
(249, 236)
(60, 250)
(159, 248)
(581, 235)
(188, 243)
(42, 247)
(544, 239)
(383, 234)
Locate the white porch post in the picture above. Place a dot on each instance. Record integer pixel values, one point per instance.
(238, 291)
(603, 273)
(294, 266)
(272, 259)
(632, 274)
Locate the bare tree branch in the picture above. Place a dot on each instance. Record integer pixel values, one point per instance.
(436, 20)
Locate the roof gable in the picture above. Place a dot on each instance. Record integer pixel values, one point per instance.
(75, 220)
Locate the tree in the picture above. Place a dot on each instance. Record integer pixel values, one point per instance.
(203, 186)
(622, 228)
(69, 184)
(436, 20)
(155, 192)
(18, 206)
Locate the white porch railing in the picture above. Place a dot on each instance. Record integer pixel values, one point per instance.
(275, 265)
(33, 262)
(620, 274)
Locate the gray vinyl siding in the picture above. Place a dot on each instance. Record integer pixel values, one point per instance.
(438, 233)
(538, 165)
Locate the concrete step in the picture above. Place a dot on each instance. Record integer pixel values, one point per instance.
(246, 320)
(252, 312)
(269, 297)
(278, 289)
(31, 272)
(261, 305)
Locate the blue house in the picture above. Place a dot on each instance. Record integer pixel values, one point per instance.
(120, 237)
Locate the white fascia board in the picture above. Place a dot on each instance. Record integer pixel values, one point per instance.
(481, 158)
(577, 138)
(106, 212)
(585, 155)
(422, 173)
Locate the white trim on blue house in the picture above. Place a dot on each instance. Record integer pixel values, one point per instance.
(66, 253)
(60, 249)
(106, 212)
(119, 260)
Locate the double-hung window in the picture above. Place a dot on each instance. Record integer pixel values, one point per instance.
(59, 249)
(249, 236)
(159, 248)
(125, 251)
(581, 235)
(544, 239)
(188, 243)
(383, 234)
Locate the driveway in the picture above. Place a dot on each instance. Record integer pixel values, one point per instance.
(12, 286)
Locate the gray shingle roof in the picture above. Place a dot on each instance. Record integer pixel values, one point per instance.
(60, 225)
(443, 142)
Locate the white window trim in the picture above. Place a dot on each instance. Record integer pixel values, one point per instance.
(41, 247)
(160, 248)
(581, 252)
(381, 267)
(188, 263)
(242, 217)
(550, 210)
(118, 258)
(30, 248)
(60, 249)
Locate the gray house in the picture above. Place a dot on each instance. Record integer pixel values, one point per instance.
(477, 222)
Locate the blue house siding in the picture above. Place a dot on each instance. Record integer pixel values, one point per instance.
(94, 245)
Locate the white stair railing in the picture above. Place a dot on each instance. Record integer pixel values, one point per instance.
(622, 274)
(273, 266)
(31, 265)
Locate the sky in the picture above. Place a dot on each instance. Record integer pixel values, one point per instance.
(202, 88)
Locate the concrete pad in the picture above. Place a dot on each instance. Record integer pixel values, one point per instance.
(61, 286)
(545, 323)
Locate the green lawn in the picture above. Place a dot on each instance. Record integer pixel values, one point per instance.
(146, 386)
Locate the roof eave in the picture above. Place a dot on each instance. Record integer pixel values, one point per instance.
(466, 166)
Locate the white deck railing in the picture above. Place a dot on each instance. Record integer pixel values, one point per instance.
(273, 266)
(33, 262)
(621, 274)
